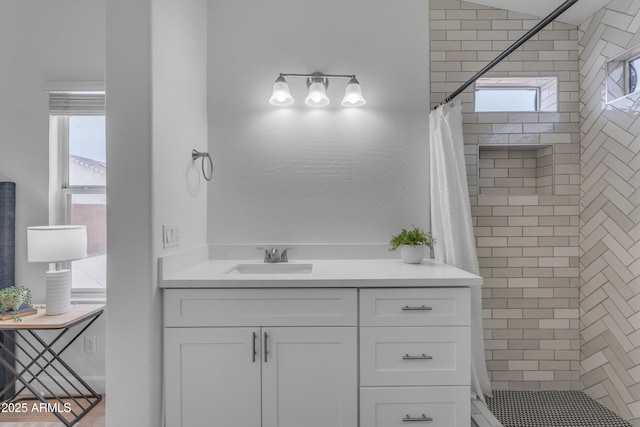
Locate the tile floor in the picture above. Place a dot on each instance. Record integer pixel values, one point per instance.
(549, 408)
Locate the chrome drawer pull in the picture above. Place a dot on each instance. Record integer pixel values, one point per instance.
(255, 351)
(421, 308)
(422, 357)
(423, 419)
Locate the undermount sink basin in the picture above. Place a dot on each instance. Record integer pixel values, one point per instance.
(279, 268)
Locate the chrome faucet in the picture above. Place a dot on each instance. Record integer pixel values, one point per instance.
(272, 255)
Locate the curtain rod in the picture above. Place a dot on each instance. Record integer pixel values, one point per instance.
(532, 32)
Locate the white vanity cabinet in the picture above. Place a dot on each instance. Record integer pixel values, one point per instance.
(261, 357)
(317, 357)
(415, 357)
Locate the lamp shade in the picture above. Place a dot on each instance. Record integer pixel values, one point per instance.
(317, 95)
(281, 95)
(56, 243)
(353, 94)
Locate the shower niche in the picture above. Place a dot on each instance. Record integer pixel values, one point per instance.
(515, 169)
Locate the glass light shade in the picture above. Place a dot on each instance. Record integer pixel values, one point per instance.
(317, 95)
(281, 95)
(56, 243)
(353, 95)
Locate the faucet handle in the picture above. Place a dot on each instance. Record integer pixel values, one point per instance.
(284, 257)
(267, 254)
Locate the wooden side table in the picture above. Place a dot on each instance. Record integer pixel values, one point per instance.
(45, 364)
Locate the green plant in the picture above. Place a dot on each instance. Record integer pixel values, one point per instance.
(13, 297)
(414, 237)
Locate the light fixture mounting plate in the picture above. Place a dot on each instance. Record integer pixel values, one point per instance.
(317, 77)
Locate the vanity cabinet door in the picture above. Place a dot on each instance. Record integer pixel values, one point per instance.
(309, 377)
(211, 377)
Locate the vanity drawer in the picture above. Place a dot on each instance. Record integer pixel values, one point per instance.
(415, 356)
(429, 406)
(415, 307)
(260, 307)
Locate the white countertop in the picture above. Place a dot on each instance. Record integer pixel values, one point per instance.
(330, 273)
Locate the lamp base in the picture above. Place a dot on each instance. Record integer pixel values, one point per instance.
(58, 298)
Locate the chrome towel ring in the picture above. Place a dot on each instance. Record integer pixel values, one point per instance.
(195, 155)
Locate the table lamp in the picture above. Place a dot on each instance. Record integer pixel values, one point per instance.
(54, 244)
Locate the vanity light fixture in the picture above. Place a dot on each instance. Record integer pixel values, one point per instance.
(353, 94)
(317, 84)
(317, 96)
(281, 95)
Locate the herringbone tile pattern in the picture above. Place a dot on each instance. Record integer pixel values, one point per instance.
(609, 219)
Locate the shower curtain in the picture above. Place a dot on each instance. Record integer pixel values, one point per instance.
(451, 222)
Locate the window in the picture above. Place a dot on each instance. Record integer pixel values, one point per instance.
(78, 178)
(516, 94)
(506, 99)
(633, 67)
(623, 85)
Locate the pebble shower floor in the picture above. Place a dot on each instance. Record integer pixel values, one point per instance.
(561, 408)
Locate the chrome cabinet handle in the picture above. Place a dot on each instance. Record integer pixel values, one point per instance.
(255, 350)
(423, 419)
(421, 308)
(266, 349)
(421, 357)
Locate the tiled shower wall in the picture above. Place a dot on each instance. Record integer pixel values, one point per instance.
(527, 233)
(610, 218)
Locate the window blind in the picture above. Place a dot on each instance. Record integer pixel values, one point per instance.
(76, 103)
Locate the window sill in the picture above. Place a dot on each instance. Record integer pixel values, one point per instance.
(88, 298)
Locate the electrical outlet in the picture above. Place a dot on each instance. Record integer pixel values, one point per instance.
(170, 235)
(91, 344)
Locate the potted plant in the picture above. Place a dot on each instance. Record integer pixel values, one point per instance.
(412, 244)
(14, 297)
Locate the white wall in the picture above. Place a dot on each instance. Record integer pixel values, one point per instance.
(302, 175)
(134, 323)
(39, 43)
(156, 113)
(179, 119)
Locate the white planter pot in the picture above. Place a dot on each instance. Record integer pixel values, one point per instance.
(412, 254)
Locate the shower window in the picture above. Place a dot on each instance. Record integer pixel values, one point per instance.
(516, 94)
(633, 67)
(506, 99)
(623, 79)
